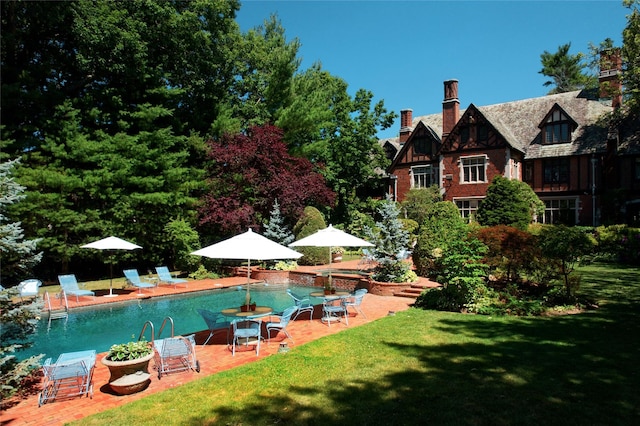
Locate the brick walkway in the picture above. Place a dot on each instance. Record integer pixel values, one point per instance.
(213, 357)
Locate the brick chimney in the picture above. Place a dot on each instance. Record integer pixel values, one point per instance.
(450, 107)
(406, 118)
(609, 78)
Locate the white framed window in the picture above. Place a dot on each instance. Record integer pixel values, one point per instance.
(473, 169)
(561, 210)
(468, 207)
(424, 176)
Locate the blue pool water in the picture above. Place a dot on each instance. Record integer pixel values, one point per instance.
(98, 327)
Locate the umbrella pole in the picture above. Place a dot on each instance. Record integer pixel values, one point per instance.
(330, 277)
(110, 281)
(248, 296)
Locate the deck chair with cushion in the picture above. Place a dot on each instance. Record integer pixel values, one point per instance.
(70, 376)
(216, 323)
(302, 304)
(175, 354)
(29, 288)
(355, 301)
(70, 286)
(165, 277)
(281, 324)
(134, 279)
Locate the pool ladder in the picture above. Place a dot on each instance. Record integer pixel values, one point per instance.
(150, 325)
(61, 313)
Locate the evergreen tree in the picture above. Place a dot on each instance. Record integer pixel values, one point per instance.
(275, 229)
(391, 243)
(505, 204)
(564, 69)
(17, 255)
(18, 319)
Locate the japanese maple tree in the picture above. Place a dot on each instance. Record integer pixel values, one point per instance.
(248, 171)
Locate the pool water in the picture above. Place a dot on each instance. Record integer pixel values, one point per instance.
(99, 327)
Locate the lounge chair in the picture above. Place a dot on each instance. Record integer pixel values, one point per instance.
(248, 331)
(134, 279)
(355, 301)
(303, 304)
(29, 288)
(70, 376)
(281, 324)
(216, 322)
(175, 354)
(165, 277)
(69, 285)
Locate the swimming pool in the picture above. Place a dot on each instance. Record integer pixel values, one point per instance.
(99, 327)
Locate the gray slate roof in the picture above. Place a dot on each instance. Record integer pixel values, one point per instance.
(518, 122)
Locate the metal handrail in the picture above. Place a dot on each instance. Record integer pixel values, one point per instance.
(163, 324)
(144, 327)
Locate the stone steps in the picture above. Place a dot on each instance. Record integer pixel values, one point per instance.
(416, 289)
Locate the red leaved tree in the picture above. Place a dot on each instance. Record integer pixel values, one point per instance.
(247, 172)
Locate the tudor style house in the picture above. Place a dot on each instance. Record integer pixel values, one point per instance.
(558, 144)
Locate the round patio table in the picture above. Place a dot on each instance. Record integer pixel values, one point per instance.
(260, 311)
(329, 296)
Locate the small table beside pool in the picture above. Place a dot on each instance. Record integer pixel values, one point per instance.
(260, 311)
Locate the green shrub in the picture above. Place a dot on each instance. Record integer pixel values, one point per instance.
(442, 225)
(202, 273)
(311, 222)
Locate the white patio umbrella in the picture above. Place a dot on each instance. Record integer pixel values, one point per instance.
(331, 237)
(249, 245)
(111, 243)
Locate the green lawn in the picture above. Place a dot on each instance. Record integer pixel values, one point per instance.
(426, 367)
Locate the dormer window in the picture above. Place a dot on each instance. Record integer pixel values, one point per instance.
(557, 127)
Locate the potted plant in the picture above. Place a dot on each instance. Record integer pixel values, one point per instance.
(128, 364)
(249, 307)
(336, 254)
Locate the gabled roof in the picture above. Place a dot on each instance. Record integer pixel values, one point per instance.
(518, 122)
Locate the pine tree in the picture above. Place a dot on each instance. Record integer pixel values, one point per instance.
(17, 254)
(18, 318)
(275, 229)
(391, 241)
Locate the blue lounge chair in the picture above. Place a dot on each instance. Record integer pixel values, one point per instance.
(70, 376)
(134, 279)
(281, 324)
(69, 285)
(165, 277)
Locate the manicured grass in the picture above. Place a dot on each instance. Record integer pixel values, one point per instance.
(426, 367)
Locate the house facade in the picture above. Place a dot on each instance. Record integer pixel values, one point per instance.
(558, 144)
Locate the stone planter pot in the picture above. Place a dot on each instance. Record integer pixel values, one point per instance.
(336, 257)
(129, 377)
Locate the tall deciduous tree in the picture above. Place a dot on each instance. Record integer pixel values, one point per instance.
(564, 69)
(248, 171)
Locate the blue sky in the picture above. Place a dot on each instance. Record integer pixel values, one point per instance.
(402, 51)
